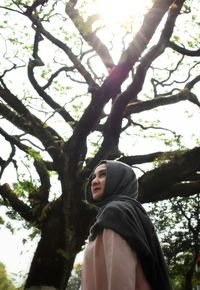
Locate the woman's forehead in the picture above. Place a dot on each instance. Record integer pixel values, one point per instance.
(100, 168)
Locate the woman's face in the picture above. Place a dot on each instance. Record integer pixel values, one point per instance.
(98, 182)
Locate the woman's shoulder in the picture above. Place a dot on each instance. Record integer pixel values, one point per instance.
(117, 208)
(115, 205)
(121, 204)
(113, 208)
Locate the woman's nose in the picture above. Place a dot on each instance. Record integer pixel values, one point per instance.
(95, 180)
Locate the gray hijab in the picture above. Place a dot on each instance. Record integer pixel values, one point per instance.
(121, 183)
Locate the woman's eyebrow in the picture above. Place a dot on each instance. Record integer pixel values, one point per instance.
(102, 170)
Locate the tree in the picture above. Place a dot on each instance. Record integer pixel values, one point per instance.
(178, 226)
(72, 73)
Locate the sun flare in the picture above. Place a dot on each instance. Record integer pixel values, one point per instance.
(113, 11)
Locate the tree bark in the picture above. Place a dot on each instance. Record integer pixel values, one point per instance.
(49, 265)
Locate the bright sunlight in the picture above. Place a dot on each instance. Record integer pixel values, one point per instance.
(113, 11)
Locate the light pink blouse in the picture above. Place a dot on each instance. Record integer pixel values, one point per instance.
(110, 264)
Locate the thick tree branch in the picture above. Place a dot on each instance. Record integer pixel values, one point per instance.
(146, 158)
(85, 29)
(43, 192)
(21, 110)
(192, 83)
(179, 189)
(183, 50)
(12, 100)
(33, 126)
(15, 140)
(35, 5)
(19, 206)
(140, 159)
(155, 183)
(141, 106)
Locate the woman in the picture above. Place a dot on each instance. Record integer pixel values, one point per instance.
(123, 252)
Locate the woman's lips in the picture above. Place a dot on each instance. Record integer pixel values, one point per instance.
(96, 188)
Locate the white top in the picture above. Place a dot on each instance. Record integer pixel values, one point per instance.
(110, 264)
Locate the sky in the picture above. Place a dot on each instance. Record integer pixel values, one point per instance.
(15, 255)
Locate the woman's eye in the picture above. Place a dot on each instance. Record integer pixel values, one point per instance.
(103, 174)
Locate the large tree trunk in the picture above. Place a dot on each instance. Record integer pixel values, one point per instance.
(54, 257)
(50, 265)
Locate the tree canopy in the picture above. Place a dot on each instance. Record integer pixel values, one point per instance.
(77, 87)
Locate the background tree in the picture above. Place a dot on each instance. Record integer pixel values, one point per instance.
(178, 226)
(78, 101)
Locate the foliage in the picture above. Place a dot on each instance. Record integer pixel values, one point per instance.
(178, 226)
(75, 279)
